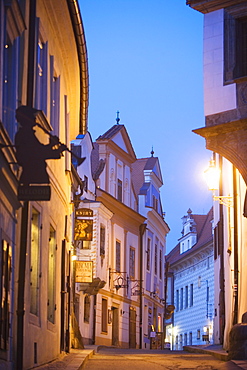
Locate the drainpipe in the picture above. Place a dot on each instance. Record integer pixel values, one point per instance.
(222, 271)
(235, 238)
(142, 229)
(25, 210)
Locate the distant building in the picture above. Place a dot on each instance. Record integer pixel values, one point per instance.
(128, 243)
(147, 181)
(191, 280)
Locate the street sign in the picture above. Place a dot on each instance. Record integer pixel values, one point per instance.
(40, 192)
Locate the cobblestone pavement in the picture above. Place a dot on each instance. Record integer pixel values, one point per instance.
(120, 359)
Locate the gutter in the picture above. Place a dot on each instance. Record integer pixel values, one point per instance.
(77, 25)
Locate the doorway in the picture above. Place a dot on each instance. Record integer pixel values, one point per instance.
(132, 328)
(115, 325)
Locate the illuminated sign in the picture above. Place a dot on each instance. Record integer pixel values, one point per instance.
(84, 212)
(83, 271)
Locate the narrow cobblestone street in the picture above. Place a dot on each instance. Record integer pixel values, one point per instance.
(124, 359)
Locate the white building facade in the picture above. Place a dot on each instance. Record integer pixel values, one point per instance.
(191, 268)
(127, 247)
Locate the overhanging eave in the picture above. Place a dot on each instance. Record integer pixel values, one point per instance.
(230, 141)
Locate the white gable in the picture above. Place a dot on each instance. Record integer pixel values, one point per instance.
(118, 139)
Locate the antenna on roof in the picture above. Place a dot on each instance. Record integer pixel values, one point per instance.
(118, 119)
(152, 152)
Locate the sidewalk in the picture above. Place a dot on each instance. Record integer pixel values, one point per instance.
(218, 352)
(74, 360)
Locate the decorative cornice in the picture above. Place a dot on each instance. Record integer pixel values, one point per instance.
(207, 6)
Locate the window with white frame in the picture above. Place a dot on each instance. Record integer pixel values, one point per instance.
(51, 305)
(102, 241)
(181, 298)
(41, 75)
(148, 254)
(132, 263)
(55, 97)
(35, 262)
(118, 256)
(186, 302)
(191, 295)
(104, 313)
(155, 259)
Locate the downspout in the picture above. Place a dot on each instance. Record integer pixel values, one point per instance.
(222, 271)
(235, 238)
(142, 230)
(83, 64)
(25, 210)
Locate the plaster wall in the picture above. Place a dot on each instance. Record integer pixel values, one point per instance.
(217, 97)
(194, 318)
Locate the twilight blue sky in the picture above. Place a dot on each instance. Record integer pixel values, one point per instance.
(145, 61)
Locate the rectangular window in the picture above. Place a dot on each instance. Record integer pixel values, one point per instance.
(185, 339)
(181, 299)
(5, 270)
(102, 240)
(198, 334)
(87, 308)
(148, 255)
(160, 269)
(181, 341)
(132, 263)
(191, 295)
(51, 306)
(55, 98)
(41, 76)
(235, 45)
(241, 47)
(159, 323)
(118, 254)
(104, 316)
(190, 338)
(186, 296)
(10, 81)
(35, 262)
(155, 259)
(177, 300)
(119, 190)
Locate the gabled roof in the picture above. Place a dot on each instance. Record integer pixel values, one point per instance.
(204, 236)
(138, 168)
(119, 135)
(110, 133)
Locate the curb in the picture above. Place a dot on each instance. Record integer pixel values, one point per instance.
(223, 356)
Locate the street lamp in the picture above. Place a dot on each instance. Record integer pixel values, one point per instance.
(212, 176)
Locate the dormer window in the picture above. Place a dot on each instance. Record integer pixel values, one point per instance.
(155, 203)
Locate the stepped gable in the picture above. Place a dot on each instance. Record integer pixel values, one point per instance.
(204, 235)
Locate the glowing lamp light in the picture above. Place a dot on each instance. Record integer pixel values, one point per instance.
(73, 257)
(212, 176)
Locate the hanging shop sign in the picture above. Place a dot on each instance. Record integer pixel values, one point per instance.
(84, 212)
(83, 271)
(83, 229)
(83, 224)
(31, 155)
